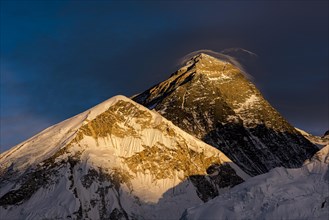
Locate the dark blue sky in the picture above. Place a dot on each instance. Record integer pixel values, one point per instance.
(59, 58)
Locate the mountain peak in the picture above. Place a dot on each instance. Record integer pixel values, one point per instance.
(203, 63)
(205, 59)
(212, 99)
(204, 56)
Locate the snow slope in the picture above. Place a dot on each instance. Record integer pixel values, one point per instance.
(117, 160)
(301, 193)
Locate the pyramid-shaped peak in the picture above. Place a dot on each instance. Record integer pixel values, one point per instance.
(207, 63)
(100, 108)
(213, 99)
(113, 100)
(204, 56)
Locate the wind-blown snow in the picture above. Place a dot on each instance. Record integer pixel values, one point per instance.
(219, 56)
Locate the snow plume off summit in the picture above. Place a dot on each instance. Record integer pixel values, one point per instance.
(227, 55)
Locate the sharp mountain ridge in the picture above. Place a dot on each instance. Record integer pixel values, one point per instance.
(118, 160)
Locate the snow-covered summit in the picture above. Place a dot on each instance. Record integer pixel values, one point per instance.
(52, 139)
(116, 160)
(203, 63)
(203, 57)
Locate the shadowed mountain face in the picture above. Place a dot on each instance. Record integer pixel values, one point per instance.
(213, 100)
(118, 160)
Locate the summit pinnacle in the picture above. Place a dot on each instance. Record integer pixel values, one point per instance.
(213, 100)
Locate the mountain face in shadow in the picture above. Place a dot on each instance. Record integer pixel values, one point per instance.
(118, 160)
(212, 100)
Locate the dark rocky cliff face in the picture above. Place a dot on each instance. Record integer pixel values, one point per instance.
(212, 100)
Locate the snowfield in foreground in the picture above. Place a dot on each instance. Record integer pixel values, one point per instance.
(282, 193)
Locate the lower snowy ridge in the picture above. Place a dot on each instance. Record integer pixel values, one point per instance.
(301, 193)
(118, 160)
